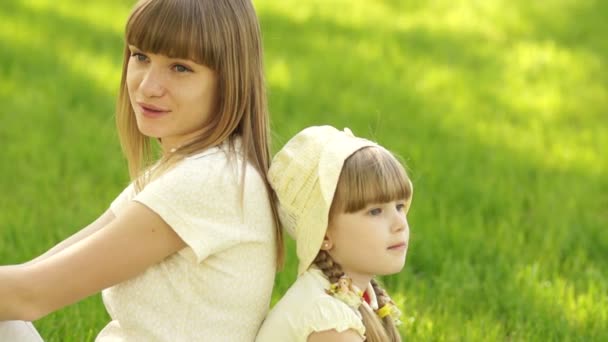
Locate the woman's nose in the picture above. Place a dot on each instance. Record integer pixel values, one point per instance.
(152, 83)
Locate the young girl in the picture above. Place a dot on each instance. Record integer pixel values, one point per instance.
(188, 251)
(344, 200)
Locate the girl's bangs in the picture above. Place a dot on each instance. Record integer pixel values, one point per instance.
(370, 176)
(176, 29)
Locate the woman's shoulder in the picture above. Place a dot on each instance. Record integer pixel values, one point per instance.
(224, 160)
(211, 156)
(214, 163)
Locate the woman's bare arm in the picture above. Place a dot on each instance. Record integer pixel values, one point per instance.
(136, 239)
(99, 223)
(335, 336)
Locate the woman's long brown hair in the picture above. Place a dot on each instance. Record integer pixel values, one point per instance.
(225, 36)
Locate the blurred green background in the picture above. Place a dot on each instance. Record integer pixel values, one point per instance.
(498, 108)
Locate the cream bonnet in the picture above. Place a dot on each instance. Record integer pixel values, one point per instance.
(304, 174)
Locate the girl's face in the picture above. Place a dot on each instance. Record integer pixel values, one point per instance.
(372, 241)
(172, 98)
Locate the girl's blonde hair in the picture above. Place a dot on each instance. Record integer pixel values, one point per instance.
(370, 175)
(224, 35)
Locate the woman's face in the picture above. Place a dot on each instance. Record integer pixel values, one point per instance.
(172, 98)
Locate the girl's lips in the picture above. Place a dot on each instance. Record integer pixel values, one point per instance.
(398, 247)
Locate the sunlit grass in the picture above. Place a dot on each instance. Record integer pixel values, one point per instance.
(352, 14)
(497, 107)
(279, 74)
(109, 14)
(99, 69)
(578, 304)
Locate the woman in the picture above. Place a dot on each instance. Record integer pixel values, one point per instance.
(188, 250)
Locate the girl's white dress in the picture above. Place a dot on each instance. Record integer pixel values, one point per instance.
(307, 308)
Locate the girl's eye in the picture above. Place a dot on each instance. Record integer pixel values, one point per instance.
(400, 206)
(181, 68)
(375, 211)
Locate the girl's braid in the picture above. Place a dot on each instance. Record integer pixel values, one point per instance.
(330, 268)
(381, 295)
(388, 321)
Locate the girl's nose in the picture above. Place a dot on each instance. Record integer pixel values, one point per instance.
(399, 221)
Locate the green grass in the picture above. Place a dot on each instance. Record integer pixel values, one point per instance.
(497, 107)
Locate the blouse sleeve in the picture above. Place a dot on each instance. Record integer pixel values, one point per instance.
(330, 314)
(199, 199)
(119, 202)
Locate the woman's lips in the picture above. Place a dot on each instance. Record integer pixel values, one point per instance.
(151, 111)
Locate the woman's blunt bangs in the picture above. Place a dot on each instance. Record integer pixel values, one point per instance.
(371, 175)
(176, 29)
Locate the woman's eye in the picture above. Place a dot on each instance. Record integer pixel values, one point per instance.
(139, 56)
(181, 68)
(375, 211)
